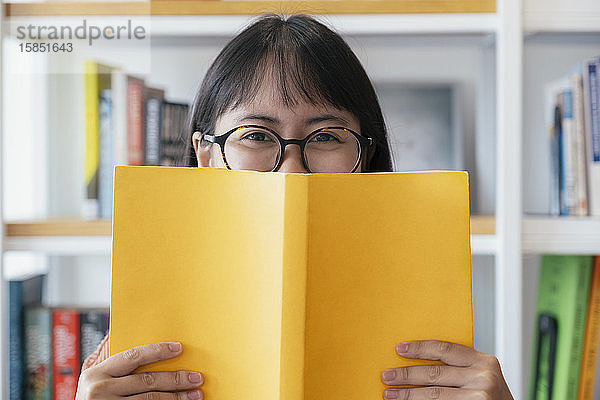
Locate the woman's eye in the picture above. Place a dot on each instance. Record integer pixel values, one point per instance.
(258, 137)
(325, 137)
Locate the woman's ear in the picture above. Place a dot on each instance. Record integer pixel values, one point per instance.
(202, 151)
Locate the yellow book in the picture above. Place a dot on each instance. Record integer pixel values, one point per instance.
(289, 286)
(96, 77)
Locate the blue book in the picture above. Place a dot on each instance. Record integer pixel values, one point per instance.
(21, 293)
(15, 340)
(594, 79)
(566, 114)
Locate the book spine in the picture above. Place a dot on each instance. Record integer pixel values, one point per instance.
(581, 303)
(563, 294)
(591, 337)
(105, 175)
(119, 117)
(594, 137)
(65, 353)
(90, 210)
(172, 143)
(554, 131)
(294, 264)
(93, 326)
(153, 128)
(581, 207)
(15, 340)
(570, 151)
(135, 124)
(562, 159)
(38, 361)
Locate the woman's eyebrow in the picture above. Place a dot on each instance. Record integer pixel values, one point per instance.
(309, 121)
(258, 117)
(326, 117)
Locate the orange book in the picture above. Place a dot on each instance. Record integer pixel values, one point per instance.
(591, 336)
(289, 286)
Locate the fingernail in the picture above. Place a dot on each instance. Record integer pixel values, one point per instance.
(195, 377)
(194, 395)
(390, 394)
(402, 348)
(175, 346)
(389, 374)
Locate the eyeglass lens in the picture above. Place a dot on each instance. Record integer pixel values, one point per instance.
(331, 150)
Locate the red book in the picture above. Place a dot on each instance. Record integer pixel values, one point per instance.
(65, 353)
(135, 121)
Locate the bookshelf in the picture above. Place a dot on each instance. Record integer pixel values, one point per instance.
(508, 41)
(216, 7)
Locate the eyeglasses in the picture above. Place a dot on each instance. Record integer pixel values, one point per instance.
(258, 148)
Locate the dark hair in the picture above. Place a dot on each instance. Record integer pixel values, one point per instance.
(308, 61)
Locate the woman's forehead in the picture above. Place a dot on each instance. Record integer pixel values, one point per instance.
(276, 114)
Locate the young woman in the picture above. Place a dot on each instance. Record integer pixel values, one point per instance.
(289, 95)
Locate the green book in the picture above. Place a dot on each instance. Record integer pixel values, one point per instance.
(38, 353)
(563, 292)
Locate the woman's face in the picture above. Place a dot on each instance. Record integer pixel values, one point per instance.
(290, 123)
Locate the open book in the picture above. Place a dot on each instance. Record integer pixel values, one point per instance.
(289, 286)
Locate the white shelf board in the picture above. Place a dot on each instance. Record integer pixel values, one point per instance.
(79, 245)
(346, 24)
(561, 235)
(483, 244)
(60, 245)
(561, 16)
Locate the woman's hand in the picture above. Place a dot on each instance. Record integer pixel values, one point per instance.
(112, 378)
(468, 374)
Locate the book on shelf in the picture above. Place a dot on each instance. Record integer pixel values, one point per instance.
(57, 341)
(135, 121)
(591, 339)
(561, 311)
(127, 123)
(47, 345)
(174, 123)
(105, 165)
(21, 293)
(38, 359)
(65, 353)
(96, 79)
(268, 279)
(573, 121)
(93, 327)
(591, 90)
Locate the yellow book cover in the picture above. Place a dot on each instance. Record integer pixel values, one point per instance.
(96, 77)
(289, 286)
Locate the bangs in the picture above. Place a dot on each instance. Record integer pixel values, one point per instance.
(288, 60)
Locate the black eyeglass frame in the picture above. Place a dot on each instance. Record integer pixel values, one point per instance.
(364, 143)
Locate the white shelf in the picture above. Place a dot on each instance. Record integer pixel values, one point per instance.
(541, 235)
(372, 24)
(561, 235)
(560, 16)
(85, 245)
(60, 245)
(483, 244)
(346, 24)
